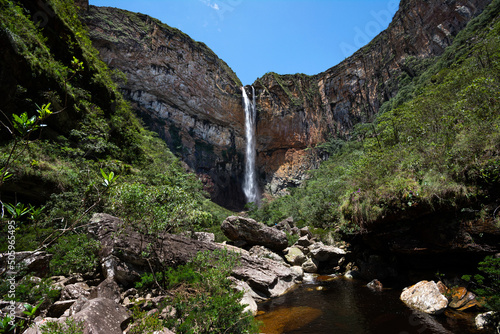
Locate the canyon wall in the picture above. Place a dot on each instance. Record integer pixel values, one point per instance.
(192, 99)
(298, 112)
(182, 90)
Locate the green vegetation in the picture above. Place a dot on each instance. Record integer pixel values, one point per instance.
(434, 146)
(487, 283)
(71, 146)
(200, 297)
(70, 326)
(104, 161)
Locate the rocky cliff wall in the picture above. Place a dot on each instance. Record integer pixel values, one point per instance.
(182, 90)
(296, 112)
(193, 99)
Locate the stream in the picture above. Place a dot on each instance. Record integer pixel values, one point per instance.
(339, 305)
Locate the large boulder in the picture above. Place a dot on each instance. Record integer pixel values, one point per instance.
(254, 233)
(323, 253)
(99, 316)
(266, 277)
(74, 291)
(295, 256)
(103, 315)
(426, 297)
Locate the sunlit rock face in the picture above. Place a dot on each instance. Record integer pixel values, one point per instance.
(192, 99)
(297, 112)
(182, 90)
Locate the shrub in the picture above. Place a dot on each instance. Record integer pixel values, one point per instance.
(70, 326)
(205, 300)
(487, 284)
(74, 253)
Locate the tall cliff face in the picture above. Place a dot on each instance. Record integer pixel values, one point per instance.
(297, 112)
(182, 90)
(193, 100)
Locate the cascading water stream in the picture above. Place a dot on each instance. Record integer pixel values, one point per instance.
(250, 181)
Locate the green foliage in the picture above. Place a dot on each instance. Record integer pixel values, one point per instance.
(70, 326)
(204, 298)
(31, 311)
(32, 290)
(6, 325)
(109, 179)
(487, 284)
(145, 323)
(74, 253)
(174, 202)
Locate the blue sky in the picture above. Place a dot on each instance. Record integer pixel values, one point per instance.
(284, 36)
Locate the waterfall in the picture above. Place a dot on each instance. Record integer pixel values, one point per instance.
(250, 181)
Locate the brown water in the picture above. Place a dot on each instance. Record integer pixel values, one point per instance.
(349, 307)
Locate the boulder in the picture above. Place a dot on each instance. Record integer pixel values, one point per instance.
(462, 299)
(323, 253)
(123, 247)
(247, 299)
(102, 315)
(58, 308)
(74, 291)
(310, 266)
(442, 288)
(107, 289)
(295, 256)
(305, 232)
(375, 285)
(254, 233)
(33, 262)
(266, 277)
(12, 308)
(286, 225)
(425, 296)
(488, 319)
(304, 241)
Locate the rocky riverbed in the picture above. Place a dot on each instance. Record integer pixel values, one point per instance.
(269, 267)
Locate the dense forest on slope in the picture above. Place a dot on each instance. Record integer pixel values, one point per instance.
(433, 147)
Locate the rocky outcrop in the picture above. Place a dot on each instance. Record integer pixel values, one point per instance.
(123, 260)
(297, 112)
(254, 233)
(182, 90)
(426, 297)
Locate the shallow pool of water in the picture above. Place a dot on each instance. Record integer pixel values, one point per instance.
(349, 307)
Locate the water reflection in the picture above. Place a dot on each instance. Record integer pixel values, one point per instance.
(349, 307)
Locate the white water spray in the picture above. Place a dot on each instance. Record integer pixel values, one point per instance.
(250, 181)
